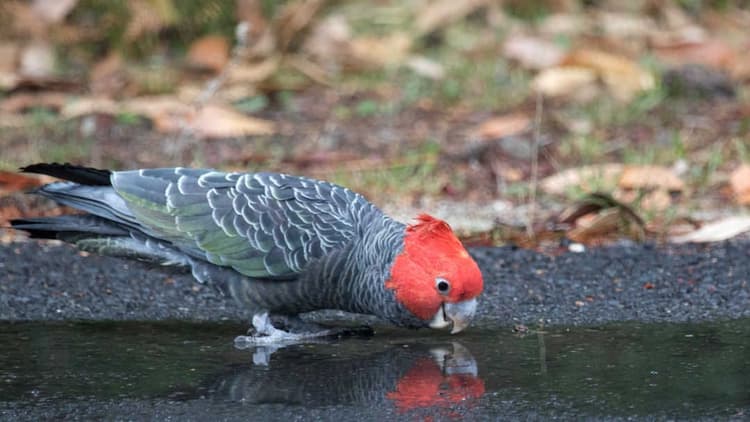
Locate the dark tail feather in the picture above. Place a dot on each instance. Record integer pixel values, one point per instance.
(78, 174)
(109, 229)
(98, 235)
(86, 189)
(64, 226)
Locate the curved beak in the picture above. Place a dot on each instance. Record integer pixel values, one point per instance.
(459, 314)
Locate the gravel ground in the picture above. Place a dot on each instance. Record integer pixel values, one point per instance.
(43, 281)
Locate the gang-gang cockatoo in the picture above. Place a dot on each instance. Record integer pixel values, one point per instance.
(280, 245)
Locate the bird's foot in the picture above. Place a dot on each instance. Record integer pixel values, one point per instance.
(264, 333)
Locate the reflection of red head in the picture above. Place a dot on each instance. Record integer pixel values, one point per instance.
(426, 386)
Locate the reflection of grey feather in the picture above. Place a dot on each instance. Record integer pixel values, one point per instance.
(358, 377)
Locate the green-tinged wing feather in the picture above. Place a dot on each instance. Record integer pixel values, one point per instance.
(263, 225)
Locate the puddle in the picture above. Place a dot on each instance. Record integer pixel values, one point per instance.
(179, 369)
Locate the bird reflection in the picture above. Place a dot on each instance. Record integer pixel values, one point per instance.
(445, 379)
(406, 376)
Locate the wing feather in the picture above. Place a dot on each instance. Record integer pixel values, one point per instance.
(263, 225)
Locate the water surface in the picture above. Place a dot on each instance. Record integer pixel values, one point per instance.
(193, 371)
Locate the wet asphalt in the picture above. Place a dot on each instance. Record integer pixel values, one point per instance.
(628, 282)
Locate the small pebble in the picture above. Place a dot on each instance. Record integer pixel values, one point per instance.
(576, 248)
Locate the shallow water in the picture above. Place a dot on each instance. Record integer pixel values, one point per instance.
(179, 369)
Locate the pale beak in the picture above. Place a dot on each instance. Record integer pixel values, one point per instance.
(460, 314)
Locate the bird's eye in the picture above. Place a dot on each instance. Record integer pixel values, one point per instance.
(443, 285)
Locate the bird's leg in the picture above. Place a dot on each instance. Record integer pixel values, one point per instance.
(295, 324)
(263, 332)
(262, 326)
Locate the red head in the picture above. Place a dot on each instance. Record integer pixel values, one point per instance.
(434, 277)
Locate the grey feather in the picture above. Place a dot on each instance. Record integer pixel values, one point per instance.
(275, 242)
(274, 214)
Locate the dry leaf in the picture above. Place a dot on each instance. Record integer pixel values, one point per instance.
(52, 11)
(587, 178)
(293, 18)
(211, 121)
(23, 19)
(306, 67)
(713, 53)
(425, 67)
(740, 183)
(502, 126)
(510, 174)
(37, 60)
(726, 228)
(568, 24)
(252, 73)
(650, 177)
(623, 77)
(674, 15)
(215, 121)
(108, 76)
(8, 81)
(229, 93)
(593, 226)
(9, 52)
(624, 25)
(19, 103)
(593, 203)
(210, 52)
(260, 46)
(157, 107)
(741, 69)
(251, 11)
(658, 200)
(169, 114)
(532, 52)
(563, 81)
(437, 14)
(377, 52)
(328, 42)
(84, 106)
(333, 47)
(16, 182)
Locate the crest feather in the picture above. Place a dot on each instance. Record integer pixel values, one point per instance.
(429, 225)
